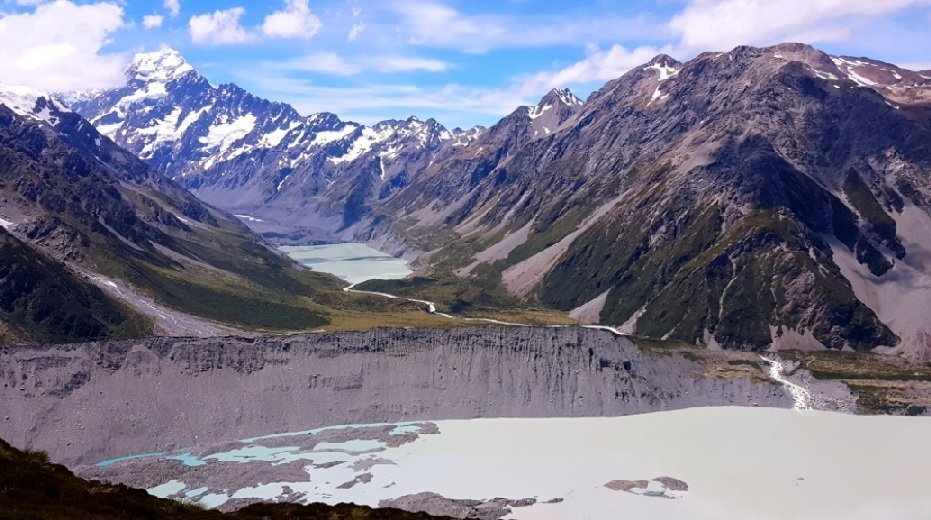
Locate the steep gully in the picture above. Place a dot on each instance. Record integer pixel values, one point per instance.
(800, 394)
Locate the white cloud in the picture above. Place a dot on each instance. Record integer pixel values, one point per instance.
(715, 25)
(436, 24)
(917, 65)
(356, 30)
(173, 7)
(327, 62)
(599, 65)
(58, 46)
(295, 21)
(151, 21)
(221, 26)
(354, 102)
(324, 62)
(718, 25)
(406, 64)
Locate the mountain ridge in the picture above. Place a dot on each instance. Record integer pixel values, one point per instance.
(140, 254)
(676, 175)
(750, 168)
(246, 153)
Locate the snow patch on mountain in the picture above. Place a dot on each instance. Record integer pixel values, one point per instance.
(537, 111)
(368, 138)
(274, 138)
(332, 136)
(567, 97)
(221, 136)
(665, 71)
(146, 92)
(848, 67)
(32, 103)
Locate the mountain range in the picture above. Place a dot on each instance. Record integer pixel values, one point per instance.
(760, 196)
(298, 177)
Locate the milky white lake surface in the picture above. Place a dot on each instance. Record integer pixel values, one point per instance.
(747, 463)
(352, 262)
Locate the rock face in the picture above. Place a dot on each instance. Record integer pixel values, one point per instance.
(743, 199)
(86, 403)
(659, 487)
(435, 504)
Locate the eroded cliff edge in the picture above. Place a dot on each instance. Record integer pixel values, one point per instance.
(88, 402)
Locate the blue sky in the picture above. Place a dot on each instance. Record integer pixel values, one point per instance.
(462, 62)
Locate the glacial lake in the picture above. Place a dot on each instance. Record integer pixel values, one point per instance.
(749, 463)
(352, 262)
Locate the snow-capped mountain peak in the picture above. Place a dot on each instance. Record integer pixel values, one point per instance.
(561, 95)
(239, 151)
(556, 107)
(164, 65)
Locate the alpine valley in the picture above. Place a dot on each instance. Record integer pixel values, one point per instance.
(692, 295)
(759, 198)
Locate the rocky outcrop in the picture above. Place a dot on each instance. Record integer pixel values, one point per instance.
(85, 403)
(435, 504)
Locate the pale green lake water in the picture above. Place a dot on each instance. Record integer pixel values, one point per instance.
(351, 261)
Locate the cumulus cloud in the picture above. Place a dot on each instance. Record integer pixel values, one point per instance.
(599, 65)
(173, 7)
(151, 21)
(717, 25)
(219, 27)
(355, 31)
(58, 46)
(295, 21)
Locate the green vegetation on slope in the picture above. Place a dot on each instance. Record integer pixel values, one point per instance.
(41, 300)
(687, 273)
